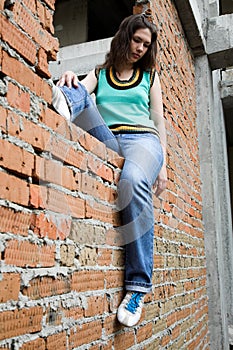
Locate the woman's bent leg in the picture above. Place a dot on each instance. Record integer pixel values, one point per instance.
(85, 114)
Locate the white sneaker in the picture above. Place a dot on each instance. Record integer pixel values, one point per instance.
(59, 102)
(130, 310)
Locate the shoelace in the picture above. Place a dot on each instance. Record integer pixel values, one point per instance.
(134, 301)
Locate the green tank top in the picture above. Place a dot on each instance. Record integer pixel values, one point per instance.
(124, 105)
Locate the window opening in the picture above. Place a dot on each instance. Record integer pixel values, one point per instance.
(79, 21)
(226, 6)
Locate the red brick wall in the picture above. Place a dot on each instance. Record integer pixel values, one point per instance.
(61, 260)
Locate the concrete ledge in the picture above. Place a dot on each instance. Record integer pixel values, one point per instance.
(192, 23)
(220, 41)
(80, 58)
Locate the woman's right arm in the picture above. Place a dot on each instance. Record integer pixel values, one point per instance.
(70, 79)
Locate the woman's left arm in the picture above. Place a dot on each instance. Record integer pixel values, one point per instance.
(156, 112)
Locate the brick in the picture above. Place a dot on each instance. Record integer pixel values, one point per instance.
(111, 325)
(38, 196)
(101, 212)
(18, 98)
(51, 226)
(95, 306)
(3, 117)
(118, 258)
(28, 131)
(115, 300)
(85, 233)
(144, 332)
(26, 77)
(54, 172)
(93, 145)
(13, 221)
(114, 238)
(2, 2)
(65, 152)
(165, 340)
(42, 65)
(105, 257)
(60, 202)
(31, 5)
(100, 169)
(37, 344)
(19, 322)
(56, 341)
(67, 254)
(176, 332)
(74, 312)
(9, 286)
(25, 254)
(114, 159)
(54, 120)
(88, 256)
(85, 334)
(42, 287)
(17, 40)
(15, 158)
(40, 12)
(114, 279)
(14, 189)
(45, 17)
(124, 340)
(32, 26)
(87, 280)
(171, 319)
(152, 311)
(91, 185)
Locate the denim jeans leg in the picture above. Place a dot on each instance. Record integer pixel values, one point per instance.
(85, 114)
(143, 160)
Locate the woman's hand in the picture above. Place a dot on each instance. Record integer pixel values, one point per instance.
(161, 181)
(69, 79)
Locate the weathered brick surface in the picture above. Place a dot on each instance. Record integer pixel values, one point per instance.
(61, 256)
(56, 341)
(9, 286)
(18, 322)
(17, 222)
(38, 344)
(23, 253)
(85, 334)
(18, 40)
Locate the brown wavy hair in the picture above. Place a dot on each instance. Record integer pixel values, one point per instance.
(120, 44)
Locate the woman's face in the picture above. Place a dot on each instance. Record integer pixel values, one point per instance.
(139, 44)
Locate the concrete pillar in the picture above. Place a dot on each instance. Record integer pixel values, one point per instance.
(215, 193)
(213, 8)
(223, 191)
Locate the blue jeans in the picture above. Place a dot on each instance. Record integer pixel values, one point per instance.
(143, 161)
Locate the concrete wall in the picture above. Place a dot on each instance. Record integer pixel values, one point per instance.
(215, 54)
(216, 208)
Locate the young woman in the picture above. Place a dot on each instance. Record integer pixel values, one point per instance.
(129, 119)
